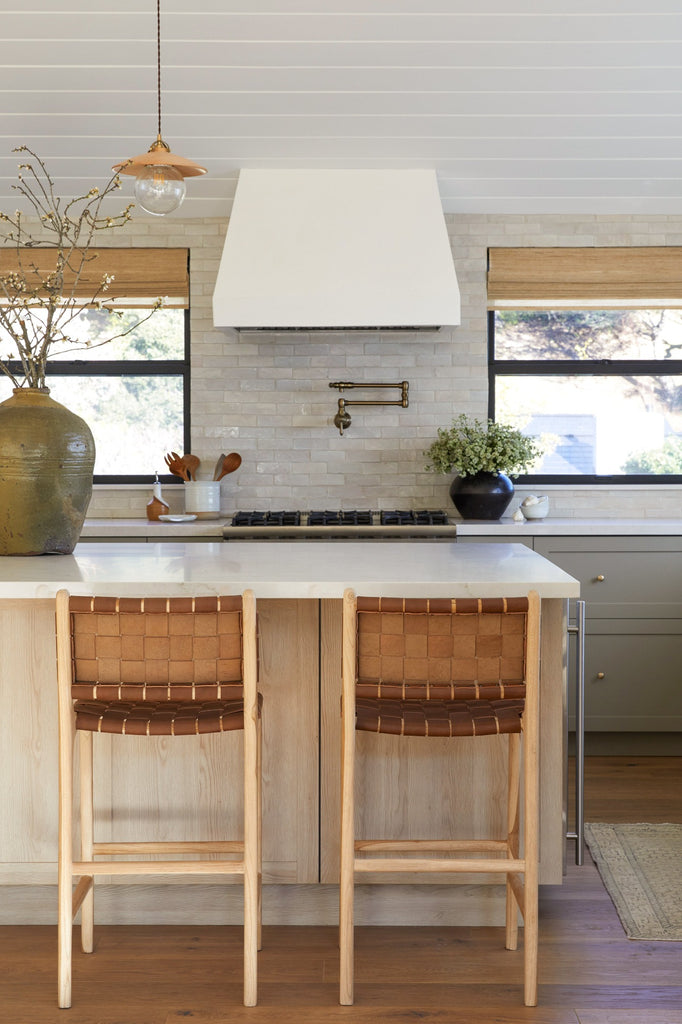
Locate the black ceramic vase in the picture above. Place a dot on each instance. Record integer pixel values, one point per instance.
(482, 495)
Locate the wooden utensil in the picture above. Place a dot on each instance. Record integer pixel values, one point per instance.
(191, 463)
(230, 463)
(176, 465)
(218, 466)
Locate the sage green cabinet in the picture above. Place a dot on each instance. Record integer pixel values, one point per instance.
(633, 680)
(622, 577)
(632, 587)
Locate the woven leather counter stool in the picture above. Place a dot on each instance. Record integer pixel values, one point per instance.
(448, 668)
(155, 667)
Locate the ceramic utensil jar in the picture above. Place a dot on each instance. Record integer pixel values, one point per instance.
(202, 498)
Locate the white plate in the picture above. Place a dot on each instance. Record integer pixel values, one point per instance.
(176, 519)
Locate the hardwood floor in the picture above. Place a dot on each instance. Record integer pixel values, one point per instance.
(590, 973)
(632, 789)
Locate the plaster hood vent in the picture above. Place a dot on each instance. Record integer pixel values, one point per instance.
(336, 250)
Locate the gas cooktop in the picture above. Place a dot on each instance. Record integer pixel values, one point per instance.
(340, 522)
(384, 517)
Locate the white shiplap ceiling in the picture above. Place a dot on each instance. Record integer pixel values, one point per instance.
(521, 106)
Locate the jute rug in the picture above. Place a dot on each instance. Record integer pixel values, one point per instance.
(641, 867)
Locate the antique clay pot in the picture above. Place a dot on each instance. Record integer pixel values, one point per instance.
(47, 456)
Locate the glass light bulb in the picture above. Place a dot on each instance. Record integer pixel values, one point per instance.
(159, 189)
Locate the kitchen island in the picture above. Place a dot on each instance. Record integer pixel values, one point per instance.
(298, 587)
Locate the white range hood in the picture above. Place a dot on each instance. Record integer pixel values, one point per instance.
(336, 250)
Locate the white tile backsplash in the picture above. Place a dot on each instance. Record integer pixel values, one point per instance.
(268, 397)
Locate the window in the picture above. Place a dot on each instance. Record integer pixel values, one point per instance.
(133, 392)
(602, 387)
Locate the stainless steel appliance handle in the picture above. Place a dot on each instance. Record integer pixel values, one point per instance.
(577, 629)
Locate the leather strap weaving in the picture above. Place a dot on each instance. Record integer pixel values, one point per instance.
(157, 666)
(440, 667)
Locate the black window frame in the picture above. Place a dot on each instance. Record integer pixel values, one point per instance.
(587, 368)
(131, 368)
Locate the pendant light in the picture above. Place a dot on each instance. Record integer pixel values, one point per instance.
(159, 174)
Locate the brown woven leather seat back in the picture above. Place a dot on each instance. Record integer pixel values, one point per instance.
(425, 649)
(156, 649)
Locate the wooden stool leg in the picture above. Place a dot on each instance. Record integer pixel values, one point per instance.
(259, 770)
(65, 918)
(87, 836)
(530, 938)
(513, 792)
(252, 799)
(346, 916)
(251, 904)
(531, 853)
(531, 838)
(251, 914)
(346, 943)
(251, 854)
(347, 842)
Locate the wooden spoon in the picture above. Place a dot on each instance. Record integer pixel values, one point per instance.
(230, 463)
(191, 464)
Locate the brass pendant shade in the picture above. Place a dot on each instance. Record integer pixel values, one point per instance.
(159, 153)
(159, 174)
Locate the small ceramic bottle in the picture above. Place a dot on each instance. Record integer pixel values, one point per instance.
(157, 506)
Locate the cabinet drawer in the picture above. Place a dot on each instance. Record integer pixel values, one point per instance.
(626, 577)
(633, 682)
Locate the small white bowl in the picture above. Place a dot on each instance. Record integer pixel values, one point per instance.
(537, 509)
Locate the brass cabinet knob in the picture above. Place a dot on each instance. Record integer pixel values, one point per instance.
(601, 675)
(600, 578)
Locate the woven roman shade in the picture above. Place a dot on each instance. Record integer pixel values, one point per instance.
(609, 277)
(141, 276)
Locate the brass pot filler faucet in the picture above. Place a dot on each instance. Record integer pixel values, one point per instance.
(342, 419)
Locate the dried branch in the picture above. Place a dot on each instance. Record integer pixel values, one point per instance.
(36, 306)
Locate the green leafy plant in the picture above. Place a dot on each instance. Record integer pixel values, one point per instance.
(42, 296)
(470, 447)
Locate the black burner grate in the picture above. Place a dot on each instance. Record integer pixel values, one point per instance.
(406, 517)
(339, 518)
(266, 519)
(431, 517)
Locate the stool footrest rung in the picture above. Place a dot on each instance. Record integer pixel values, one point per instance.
(158, 867)
(192, 846)
(488, 865)
(432, 845)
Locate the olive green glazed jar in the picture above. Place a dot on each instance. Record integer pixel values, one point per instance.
(47, 456)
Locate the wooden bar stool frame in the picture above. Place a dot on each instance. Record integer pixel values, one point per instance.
(494, 855)
(86, 868)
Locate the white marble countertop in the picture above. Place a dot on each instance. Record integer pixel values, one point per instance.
(558, 527)
(143, 528)
(288, 569)
(551, 527)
